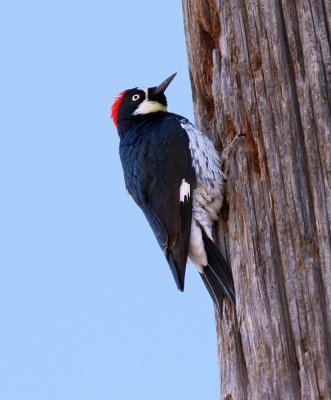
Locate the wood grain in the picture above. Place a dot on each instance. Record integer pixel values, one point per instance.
(263, 67)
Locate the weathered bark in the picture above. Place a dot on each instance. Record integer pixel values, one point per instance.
(263, 67)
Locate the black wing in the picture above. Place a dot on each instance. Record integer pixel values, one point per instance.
(156, 161)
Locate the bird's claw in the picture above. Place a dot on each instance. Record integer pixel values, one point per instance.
(227, 151)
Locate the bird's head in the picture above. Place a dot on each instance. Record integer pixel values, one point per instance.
(134, 102)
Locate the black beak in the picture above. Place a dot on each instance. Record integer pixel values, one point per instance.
(161, 88)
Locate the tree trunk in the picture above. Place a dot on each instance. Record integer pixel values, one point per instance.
(263, 68)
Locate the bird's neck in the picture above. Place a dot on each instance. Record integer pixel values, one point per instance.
(138, 121)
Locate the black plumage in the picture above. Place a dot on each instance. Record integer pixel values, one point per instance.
(173, 172)
(156, 158)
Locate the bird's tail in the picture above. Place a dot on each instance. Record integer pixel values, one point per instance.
(217, 275)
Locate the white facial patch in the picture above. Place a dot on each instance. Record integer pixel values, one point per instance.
(184, 190)
(149, 106)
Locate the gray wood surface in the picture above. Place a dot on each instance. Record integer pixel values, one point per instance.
(263, 67)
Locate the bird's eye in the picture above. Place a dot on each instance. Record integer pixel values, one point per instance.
(135, 97)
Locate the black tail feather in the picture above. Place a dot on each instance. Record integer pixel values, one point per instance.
(213, 287)
(217, 275)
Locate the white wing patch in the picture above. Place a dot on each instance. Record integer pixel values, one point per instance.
(184, 190)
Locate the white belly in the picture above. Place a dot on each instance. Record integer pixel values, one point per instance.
(208, 195)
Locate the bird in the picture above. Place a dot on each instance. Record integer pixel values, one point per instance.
(176, 176)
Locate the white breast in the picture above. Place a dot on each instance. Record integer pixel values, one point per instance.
(208, 195)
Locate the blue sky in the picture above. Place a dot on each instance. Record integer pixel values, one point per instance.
(88, 305)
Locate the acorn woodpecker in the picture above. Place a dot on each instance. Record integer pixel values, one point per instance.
(176, 176)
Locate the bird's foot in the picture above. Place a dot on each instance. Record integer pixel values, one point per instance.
(227, 151)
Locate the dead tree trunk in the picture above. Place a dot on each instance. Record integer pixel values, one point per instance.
(263, 67)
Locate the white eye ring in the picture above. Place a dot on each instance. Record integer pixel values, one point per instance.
(135, 97)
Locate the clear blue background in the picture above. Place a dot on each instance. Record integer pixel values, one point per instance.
(88, 306)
